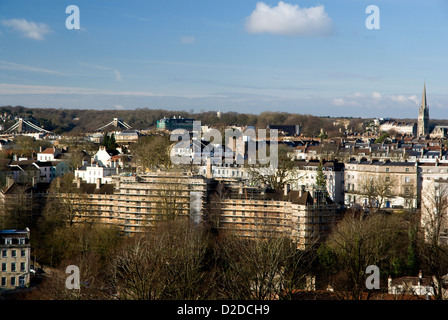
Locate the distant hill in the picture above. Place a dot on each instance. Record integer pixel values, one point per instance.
(88, 120)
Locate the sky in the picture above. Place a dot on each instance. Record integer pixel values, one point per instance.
(297, 56)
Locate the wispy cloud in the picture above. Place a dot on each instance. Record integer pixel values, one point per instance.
(28, 29)
(98, 67)
(20, 89)
(188, 40)
(349, 75)
(137, 18)
(289, 19)
(6, 65)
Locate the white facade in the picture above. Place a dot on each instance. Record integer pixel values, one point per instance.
(102, 157)
(403, 191)
(91, 173)
(226, 171)
(48, 154)
(399, 127)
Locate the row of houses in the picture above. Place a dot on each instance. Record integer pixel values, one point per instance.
(44, 169)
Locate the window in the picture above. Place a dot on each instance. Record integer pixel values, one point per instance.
(3, 281)
(13, 266)
(22, 266)
(22, 253)
(13, 281)
(8, 240)
(4, 253)
(4, 267)
(13, 253)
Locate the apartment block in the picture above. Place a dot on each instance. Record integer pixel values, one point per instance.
(402, 178)
(304, 216)
(14, 258)
(136, 201)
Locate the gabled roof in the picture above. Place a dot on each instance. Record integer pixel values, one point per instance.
(49, 151)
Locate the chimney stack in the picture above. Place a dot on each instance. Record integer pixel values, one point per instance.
(98, 183)
(302, 190)
(209, 174)
(286, 189)
(78, 182)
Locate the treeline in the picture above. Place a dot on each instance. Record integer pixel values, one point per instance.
(86, 120)
(177, 260)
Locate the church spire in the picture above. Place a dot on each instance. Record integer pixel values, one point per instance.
(424, 96)
(423, 117)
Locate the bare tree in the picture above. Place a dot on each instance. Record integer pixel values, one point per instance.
(66, 204)
(214, 206)
(164, 263)
(262, 268)
(356, 243)
(276, 178)
(171, 199)
(152, 152)
(432, 251)
(16, 208)
(377, 189)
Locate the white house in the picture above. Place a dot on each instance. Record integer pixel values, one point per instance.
(49, 154)
(411, 285)
(91, 173)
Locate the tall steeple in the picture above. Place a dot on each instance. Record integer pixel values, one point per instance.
(423, 116)
(424, 95)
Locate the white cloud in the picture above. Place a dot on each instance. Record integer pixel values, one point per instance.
(288, 19)
(115, 72)
(404, 99)
(28, 29)
(338, 102)
(187, 40)
(377, 96)
(415, 99)
(375, 100)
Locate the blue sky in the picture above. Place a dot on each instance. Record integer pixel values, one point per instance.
(309, 57)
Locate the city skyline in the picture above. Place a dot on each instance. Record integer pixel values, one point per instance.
(305, 57)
